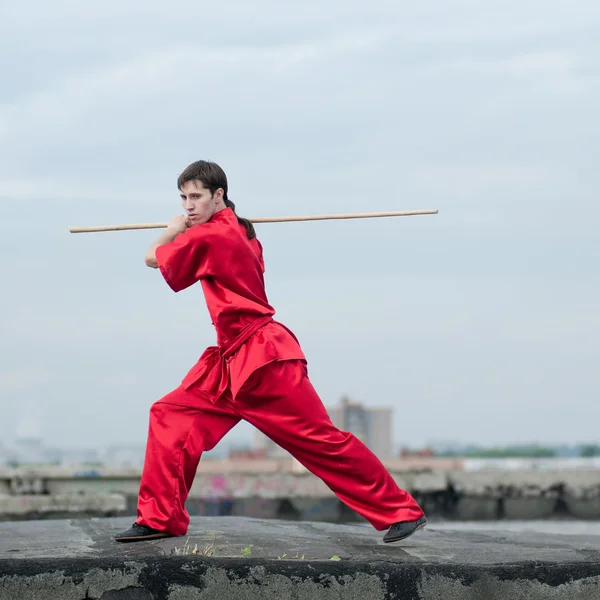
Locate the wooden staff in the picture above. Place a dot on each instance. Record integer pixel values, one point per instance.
(404, 213)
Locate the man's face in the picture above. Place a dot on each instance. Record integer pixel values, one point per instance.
(199, 204)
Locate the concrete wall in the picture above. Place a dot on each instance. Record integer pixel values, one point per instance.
(186, 578)
(284, 488)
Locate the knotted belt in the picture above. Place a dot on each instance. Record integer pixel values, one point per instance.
(212, 365)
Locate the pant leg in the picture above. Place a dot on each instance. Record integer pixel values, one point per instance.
(279, 400)
(183, 424)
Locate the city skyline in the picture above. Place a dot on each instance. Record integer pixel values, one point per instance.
(29, 441)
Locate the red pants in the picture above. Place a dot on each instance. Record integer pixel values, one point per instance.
(280, 401)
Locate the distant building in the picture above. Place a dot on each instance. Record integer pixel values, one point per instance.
(372, 426)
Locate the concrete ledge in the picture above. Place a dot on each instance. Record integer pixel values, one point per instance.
(75, 560)
(282, 489)
(67, 505)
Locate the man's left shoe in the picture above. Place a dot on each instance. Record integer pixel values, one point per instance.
(403, 529)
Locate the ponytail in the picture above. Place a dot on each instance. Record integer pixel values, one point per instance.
(250, 232)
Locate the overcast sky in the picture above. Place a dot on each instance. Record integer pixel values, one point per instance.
(480, 324)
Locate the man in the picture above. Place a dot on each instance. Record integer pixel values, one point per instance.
(256, 372)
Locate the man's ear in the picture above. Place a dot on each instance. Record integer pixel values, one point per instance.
(218, 196)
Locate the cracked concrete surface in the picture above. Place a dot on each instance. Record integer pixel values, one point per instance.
(77, 559)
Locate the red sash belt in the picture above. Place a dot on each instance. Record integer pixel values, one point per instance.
(212, 365)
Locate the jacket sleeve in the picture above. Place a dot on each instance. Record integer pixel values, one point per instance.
(187, 259)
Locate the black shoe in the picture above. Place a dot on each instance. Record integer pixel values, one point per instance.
(403, 529)
(137, 533)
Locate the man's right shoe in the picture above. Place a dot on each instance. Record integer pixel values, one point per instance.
(138, 533)
(403, 529)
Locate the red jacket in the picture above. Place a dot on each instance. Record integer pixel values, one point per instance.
(230, 268)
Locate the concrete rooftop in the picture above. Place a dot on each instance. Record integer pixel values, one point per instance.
(77, 559)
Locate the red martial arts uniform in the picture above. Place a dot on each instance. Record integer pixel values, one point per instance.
(258, 373)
